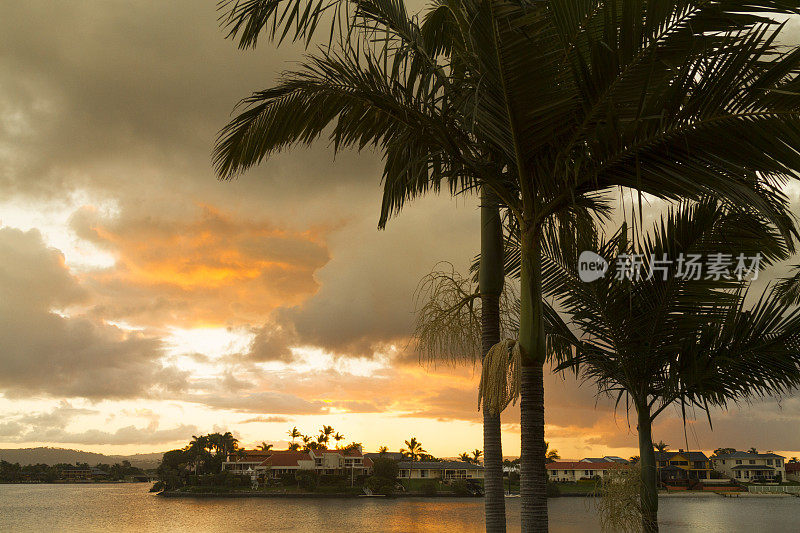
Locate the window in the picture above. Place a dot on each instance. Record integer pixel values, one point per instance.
(423, 473)
(778, 462)
(769, 461)
(723, 461)
(752, 461)
(738, 474)
(738, 461)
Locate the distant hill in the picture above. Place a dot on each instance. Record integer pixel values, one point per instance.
(51, 456)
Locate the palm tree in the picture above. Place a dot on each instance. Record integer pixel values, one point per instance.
(325, 434)
(466, 457)
(793, 460)
(383, 450)
(294, 446)
(661, 446)
(294, 434)
(753, 450)
(338, 437)
(476, 456)
(562, 95)
(413, 449)
(669, 339)
(264, 447)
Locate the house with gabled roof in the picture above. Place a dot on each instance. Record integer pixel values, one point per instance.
(583, 469)
(746, 466)
(277, 463)
(439, 470)
(682, 466)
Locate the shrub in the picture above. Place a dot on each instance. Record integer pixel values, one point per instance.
(307, 479)
(385, 468)
(287, 480)
(158, 486)
(552, 489)
(430, 488)
(381, 485)
(461, 488)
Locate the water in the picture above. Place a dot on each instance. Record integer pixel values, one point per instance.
(130, 508)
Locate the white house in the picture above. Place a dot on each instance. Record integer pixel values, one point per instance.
(439, 470)
(276, 463)
(577, 470)
(745, 466)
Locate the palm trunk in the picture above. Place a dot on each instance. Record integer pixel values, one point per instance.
(491, 278)
(533, 482)
(647, 460)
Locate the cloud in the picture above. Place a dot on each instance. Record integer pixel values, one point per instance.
(49, 353)
(208, 269)
(266, 420)
(50, 426)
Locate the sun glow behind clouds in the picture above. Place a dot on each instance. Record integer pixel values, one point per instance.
(52, 220)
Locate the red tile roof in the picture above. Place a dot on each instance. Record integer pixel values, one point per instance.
(286, 458)
(578, 465)
(792, 467)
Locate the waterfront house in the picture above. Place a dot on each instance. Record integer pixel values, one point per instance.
(583, 469)
(682, 466)
(277, 463)
(439, 470)
(746, 466)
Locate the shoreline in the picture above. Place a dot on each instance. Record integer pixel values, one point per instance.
(178, 494)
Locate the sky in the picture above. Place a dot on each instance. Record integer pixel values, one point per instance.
(142, 301)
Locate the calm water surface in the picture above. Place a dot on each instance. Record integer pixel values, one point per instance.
(130, 508)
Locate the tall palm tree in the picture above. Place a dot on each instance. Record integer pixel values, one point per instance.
(294, 434)
(476, 456)
(413, 449)
(569, 98)
(661, 446)
(659, 338)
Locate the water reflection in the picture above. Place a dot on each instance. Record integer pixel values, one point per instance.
(129, 508)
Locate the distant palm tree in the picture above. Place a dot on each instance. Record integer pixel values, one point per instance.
(413, 449)
(325, 433)
(661, 446)
(383, 450)
(476, 456)
(294, 446)
(465, 456)
(265, 447)
(338, 437)
(752, 450)
(294, 433)
(793, 460)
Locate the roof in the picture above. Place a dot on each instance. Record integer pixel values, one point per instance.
(351, 452)
(437, 465)
(367, 462)
(250, 456)
(690, 456)
(286, 458)
(396, 456)
(747, 455)
(595, 460)
(582, 465)
(792, 467)
(752, 467)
